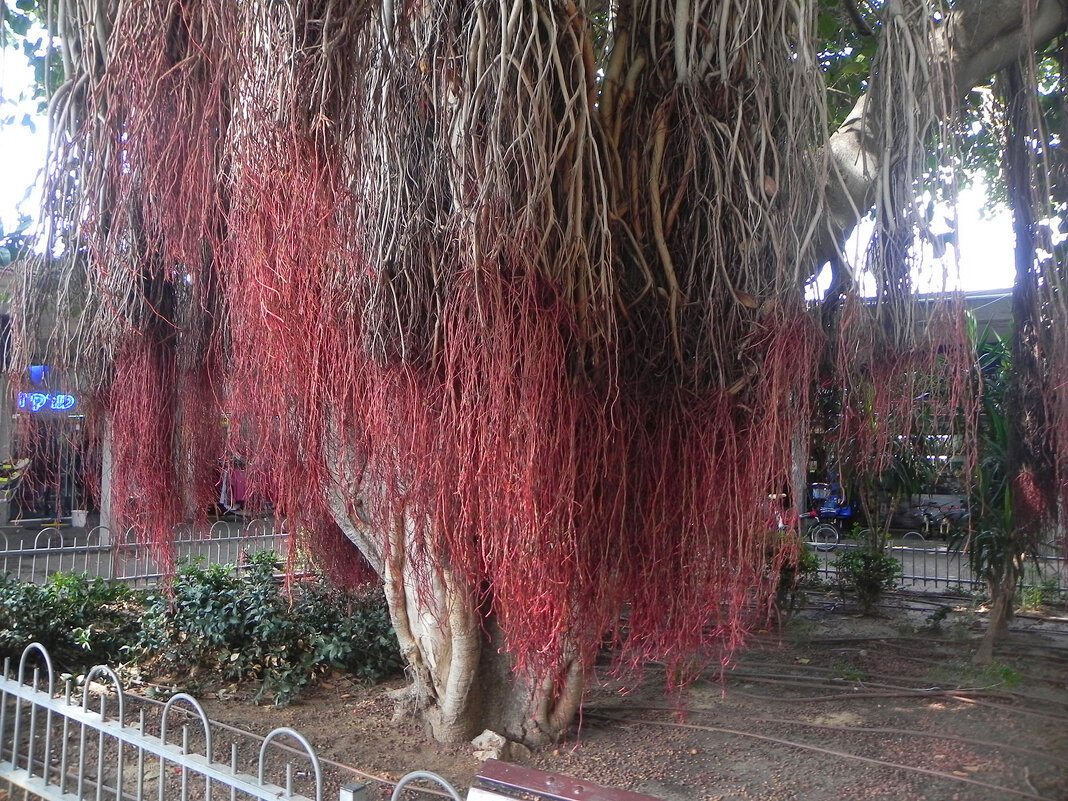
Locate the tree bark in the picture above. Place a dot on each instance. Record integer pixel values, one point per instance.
(1002, 591)
(976, 40)
(461, 678)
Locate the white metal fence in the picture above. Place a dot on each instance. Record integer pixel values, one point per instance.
(59, 744)
(96, 742)
(34, 556)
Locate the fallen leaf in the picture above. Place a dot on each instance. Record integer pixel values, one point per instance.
(746, 299)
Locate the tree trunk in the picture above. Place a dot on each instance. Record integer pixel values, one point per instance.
(462, 681)
(1030, 460)
(977, 39)
(1002, 592)
(534, 711)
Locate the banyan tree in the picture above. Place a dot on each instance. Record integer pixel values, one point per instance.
(508, 293)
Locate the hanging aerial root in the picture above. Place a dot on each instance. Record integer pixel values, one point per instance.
(145, 493)
(425, 275)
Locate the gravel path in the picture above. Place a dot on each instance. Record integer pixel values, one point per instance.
(835, 706)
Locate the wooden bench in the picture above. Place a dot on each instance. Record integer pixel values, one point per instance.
(503, 780)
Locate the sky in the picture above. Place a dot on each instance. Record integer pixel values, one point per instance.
(985, 257)
(980, 261)
(22, 151)
(985, 239)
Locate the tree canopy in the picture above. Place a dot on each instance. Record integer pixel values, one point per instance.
(511, 294)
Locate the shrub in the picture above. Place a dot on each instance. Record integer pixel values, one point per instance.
(354, 630)
(868, 573)
(81, 621)
(241, 625)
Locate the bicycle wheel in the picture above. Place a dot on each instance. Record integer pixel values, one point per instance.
(823, 536)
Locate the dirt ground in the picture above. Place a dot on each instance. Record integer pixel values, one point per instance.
(833, 706)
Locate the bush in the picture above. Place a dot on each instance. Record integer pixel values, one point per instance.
(240, 625)
(214, 620)
(868, 573)
(354, 629)
(81, 621)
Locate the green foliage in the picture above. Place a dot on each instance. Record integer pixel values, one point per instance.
(14, 244)
(991, 503)
(81, 621)
(846, 50)
(981, 128)
(936, 618)
(966, 673)
(994, 549)
(242, 625)
(23, 26)
(237, 624)
(1006, 675)
(1044, 591)
(868, 573)
(990, 553)
(847, 671)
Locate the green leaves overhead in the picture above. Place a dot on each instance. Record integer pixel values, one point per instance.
(23, 25)
(12, 244)
(845, 54)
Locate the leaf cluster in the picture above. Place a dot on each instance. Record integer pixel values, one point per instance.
(15, 244)
(994, 546)
(241, 625)
(847, 46)
(23, 25)
(868, 573)
(82, 621)
(991, 501)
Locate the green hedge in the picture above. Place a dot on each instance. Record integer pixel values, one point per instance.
(81, 621)
(240, 625)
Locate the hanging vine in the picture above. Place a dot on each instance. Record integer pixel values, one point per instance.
(515, 301)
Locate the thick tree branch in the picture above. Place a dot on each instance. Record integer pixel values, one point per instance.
(859, 24)
(977, 39)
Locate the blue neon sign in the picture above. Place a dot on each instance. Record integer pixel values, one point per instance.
(34, 402)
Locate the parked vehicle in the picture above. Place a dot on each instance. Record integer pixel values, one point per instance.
(830, 505)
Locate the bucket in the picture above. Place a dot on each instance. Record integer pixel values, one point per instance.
(78, 517)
